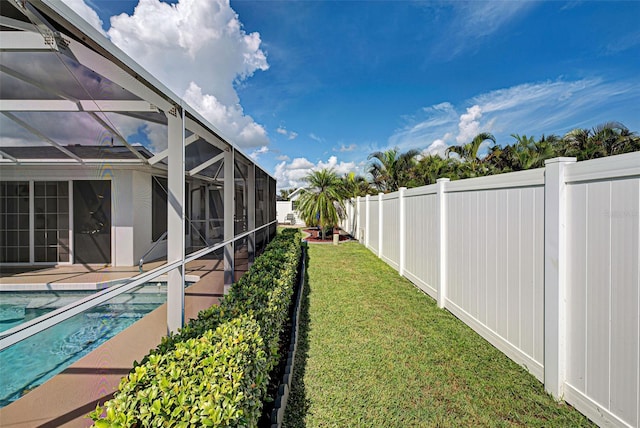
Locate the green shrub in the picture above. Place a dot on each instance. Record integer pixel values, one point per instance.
(215, 371)
(217, 379)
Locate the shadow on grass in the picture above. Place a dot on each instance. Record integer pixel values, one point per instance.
(298, 403)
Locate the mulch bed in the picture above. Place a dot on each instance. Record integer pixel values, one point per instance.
(314, 236)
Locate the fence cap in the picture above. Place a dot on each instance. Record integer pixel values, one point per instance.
(559, 160)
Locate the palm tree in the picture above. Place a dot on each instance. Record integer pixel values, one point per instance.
(577, 143)
(391, 169)
(615, 138)
(499, 158)
(469, 152)
(610, 138)
(353, 185)
(320, 203)
(432, 167)
(285, 193)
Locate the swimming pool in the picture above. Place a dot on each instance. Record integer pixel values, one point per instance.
(33, 361)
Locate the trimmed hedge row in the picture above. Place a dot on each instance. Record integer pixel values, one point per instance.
(215, 371)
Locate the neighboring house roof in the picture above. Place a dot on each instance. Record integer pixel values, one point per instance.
(296, 193)
(83, 152)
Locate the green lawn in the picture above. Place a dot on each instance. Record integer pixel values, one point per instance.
(376, 351)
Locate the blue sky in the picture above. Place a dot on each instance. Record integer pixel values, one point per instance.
(304, 84)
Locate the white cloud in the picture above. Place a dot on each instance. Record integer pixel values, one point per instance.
(289, 134)
(199, 49)
(256, 153)
(316, 138)
(473, 22)
(530, 108)
(339, 168)
(343, 148)
(283, 158)
(469, 125)
(231, 120)
(438, 147)
(87, 13)
(301, 163)
(292, 174)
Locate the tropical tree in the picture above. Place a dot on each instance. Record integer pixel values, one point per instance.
(528, 153)
(610, 138)
(469, 152)
(392, 169)
(320, 203)
(499, 158)
(353, 185)
(432, 167)
(285, 193)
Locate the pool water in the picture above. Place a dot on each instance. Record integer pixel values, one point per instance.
(33, 361)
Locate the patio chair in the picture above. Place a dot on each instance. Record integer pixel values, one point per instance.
(290, 218)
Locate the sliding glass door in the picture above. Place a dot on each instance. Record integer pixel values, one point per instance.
(92, 221)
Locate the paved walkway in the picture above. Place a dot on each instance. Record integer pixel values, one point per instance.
(67, 398)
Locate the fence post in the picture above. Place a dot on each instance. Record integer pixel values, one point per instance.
(356, 220)
(367, 219)
(441, 223)
(352, 211)
(555, 263)
(380, 225)
(403, 231)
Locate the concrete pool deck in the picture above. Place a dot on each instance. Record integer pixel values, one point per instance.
(67, 398)
(72, 277)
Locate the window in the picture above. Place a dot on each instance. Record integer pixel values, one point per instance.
(50, 201)
(51, 221)
(14, 222)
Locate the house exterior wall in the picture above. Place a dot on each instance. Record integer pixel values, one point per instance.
(285, 207)
(141, 202)
(130, 202)
(122, 221)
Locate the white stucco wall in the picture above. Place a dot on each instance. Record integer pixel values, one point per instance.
(285, 207)
(130, 203)
(122, 218)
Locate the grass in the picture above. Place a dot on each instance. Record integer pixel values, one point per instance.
(375, 351)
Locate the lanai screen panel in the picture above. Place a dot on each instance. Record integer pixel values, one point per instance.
(241, 185)
(271, 198)
(71, 91)
(262, 188)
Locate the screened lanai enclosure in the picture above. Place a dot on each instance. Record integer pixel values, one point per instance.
(102, 165)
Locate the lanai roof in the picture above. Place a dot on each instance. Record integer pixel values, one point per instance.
(63, 83)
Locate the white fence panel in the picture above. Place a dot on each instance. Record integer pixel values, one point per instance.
(374, 220)
(391, 229)
(603, 302)
(498, 245)
(422, 239)
(495, 272)
(347, 222)
(353, 218)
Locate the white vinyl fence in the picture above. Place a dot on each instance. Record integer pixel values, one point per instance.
(542, 263)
